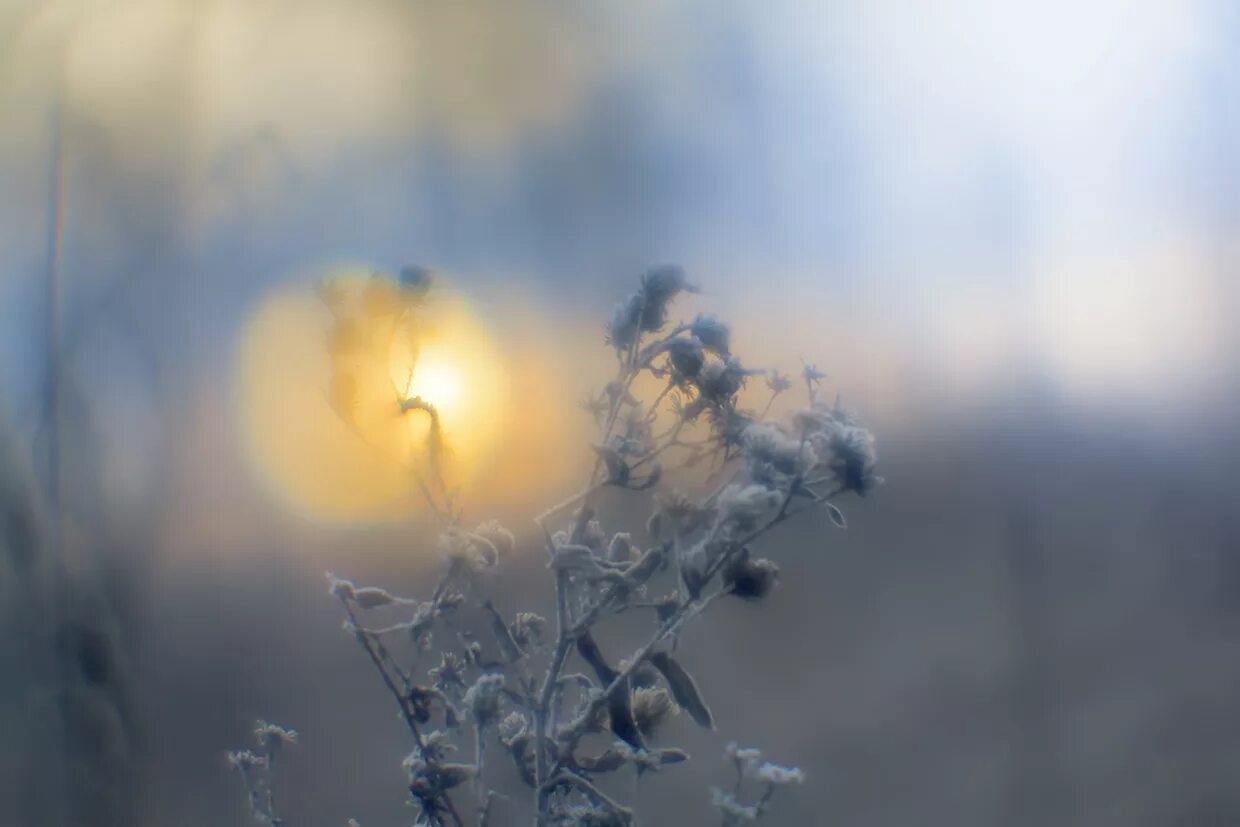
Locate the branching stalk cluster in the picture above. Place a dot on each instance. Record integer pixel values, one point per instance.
(561, 710)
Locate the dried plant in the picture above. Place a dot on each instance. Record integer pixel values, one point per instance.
(515, 683)
(256, 766)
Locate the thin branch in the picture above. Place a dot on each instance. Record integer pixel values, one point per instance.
(595, 793)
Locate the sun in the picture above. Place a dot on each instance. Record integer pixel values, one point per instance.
(368, 465)
(437, 379)
(446, 356)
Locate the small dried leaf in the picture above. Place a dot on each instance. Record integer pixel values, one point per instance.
(448, 776)
(654, 526)
(836, 515)
(610, 761)
(684, 689)
(591, 654)
(671, 756)
(619, 702)
(503, 635)
(617, 469)
(371, 597)
(645, 567)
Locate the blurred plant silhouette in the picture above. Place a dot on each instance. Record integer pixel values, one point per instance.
(512, 683)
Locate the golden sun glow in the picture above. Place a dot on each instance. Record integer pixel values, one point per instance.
(445, 356)
(346, 451)
(437, 380)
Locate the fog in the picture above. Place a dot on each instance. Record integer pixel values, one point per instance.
(1007, 235)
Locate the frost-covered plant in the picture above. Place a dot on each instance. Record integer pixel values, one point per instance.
(544, 692)
(256, 767)
(749, 765)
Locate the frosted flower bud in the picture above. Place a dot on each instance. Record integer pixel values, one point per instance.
(751, 579)
(501, 538)
(416, 279)
(625, 324)
(245, 760)
(512, 727)
(811, 374)
(449, 673)
(853, 460)
(594, 538)
(271, 736)
(651, 708)
(620, 549)
(659, 286)
(338, 587)
(775, 774)
(712, 333)
(686, 357)
(777, 382)
(483, 698)
(745, 506)
(528, 629)
(747, 759)
(733, 811)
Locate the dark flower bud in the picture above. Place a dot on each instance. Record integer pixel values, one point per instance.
(750, 579)
(712, 333)
(625, 324)
(483, 699)
(686, 357)
(777, 382)
(416, 279)
(853, 460)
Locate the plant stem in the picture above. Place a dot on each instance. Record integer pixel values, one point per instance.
(484, 800)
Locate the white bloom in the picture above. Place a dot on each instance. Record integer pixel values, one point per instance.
(742, 507)
(483, 698)
(775, 774)
(734, 812)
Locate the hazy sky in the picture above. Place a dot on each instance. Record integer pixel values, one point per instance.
(933, 200)
(1058, 162)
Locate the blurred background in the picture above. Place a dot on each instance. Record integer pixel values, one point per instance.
(1008, 232)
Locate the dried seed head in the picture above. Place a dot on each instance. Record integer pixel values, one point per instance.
(620, 549)
(734, 812)
(449, 674)
(416, 280)
(686, 357)
(651, 709)
(775, 774)
(483, 699)
(422, 624)
(339, 588)
(528, 629)
(511, 727)
(853, 460)
(777, 382)
(500, 538)
(271, 737)
(751, 579)
(712, 333)
(594, 538)
(742, 508)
